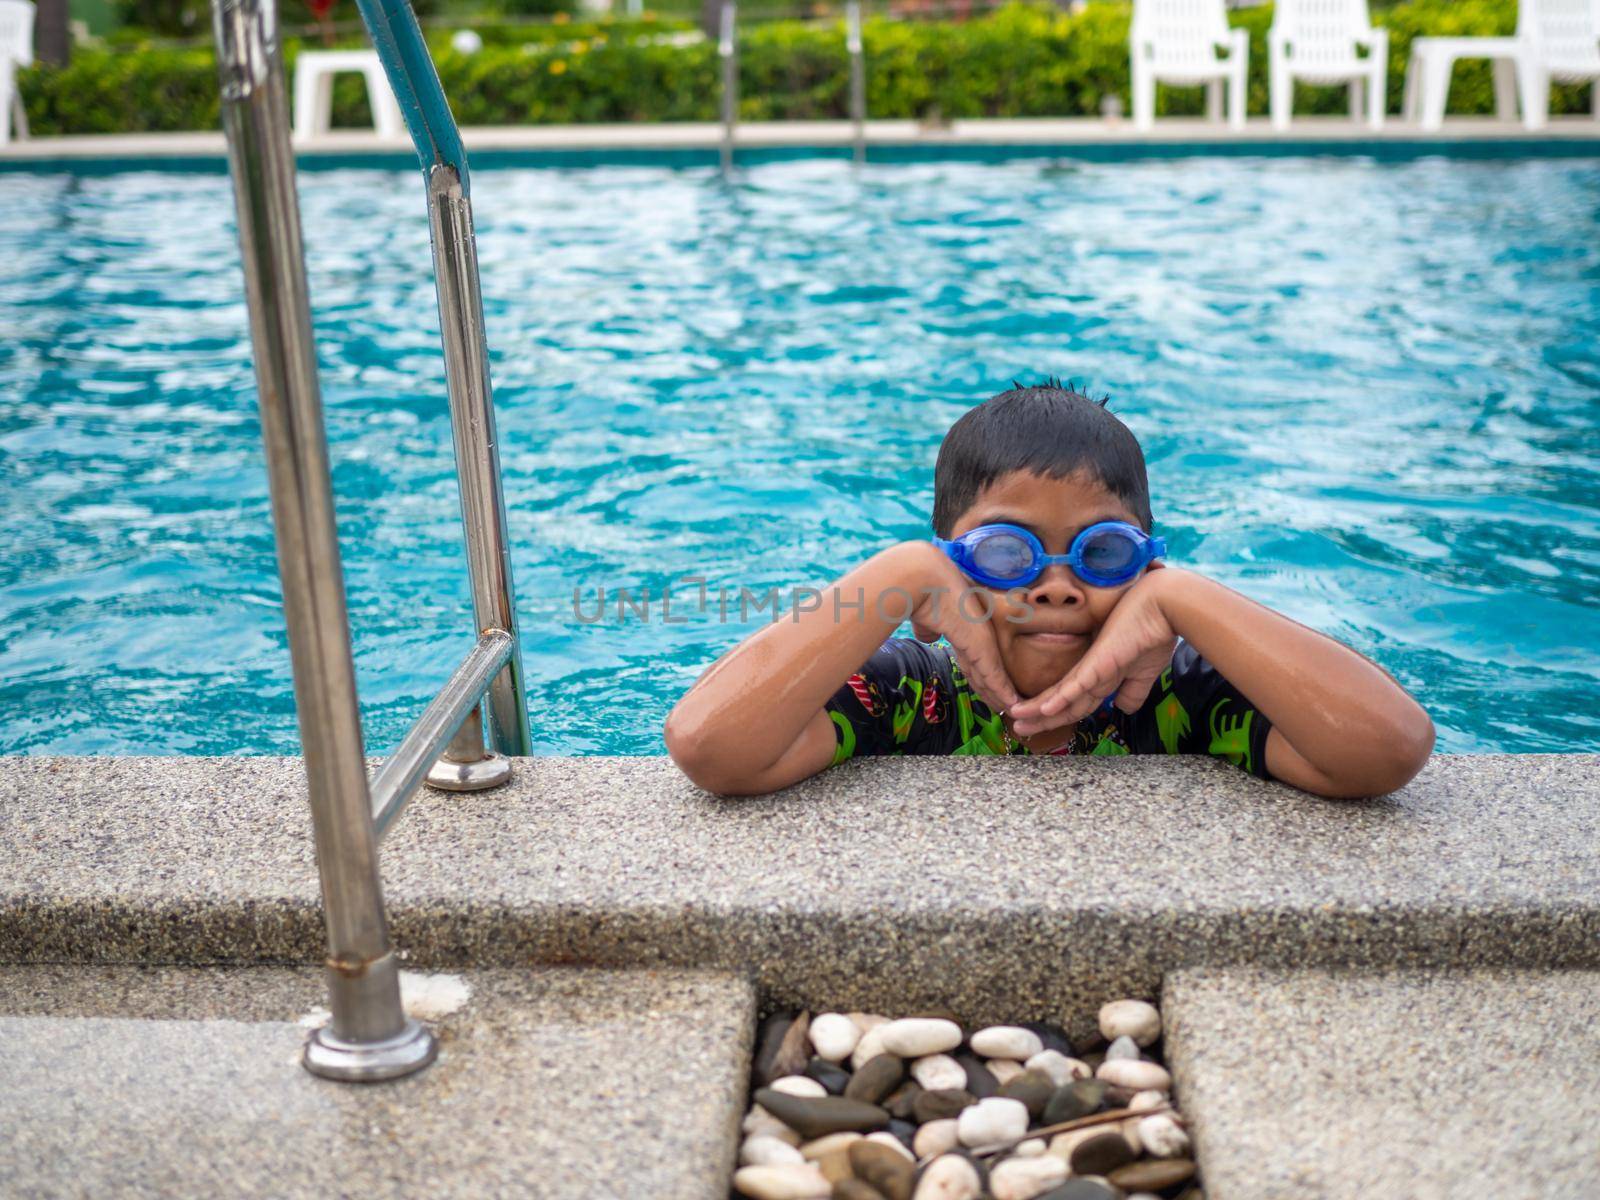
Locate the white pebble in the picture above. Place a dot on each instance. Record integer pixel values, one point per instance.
(826, 1144)
(798, 1085)
(1123, 1047)
(993, 1119)
(1135, 1076)
(1061, 1069)
(913, 1037)
(939, 1071)
(1031, 1148)
(1161, 1136)
(894, 1143)
(1004, 1070)
(787, 1181)
(948, 1177)
(1129, 1129)
(834, 1035)
(868, 1048)
(1130, 1018)
(759, 1122)
(1025, 1178)
(934, 1138)
(1145, 1101)
(763, 1150)
(1006, 1041)
(865, 1021)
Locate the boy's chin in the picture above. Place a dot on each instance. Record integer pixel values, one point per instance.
(1035, 668)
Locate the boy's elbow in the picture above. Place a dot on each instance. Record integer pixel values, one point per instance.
(697, 758)
(1402, 754)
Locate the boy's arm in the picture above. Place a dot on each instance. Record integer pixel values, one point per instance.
(754, 721)
(1341, 725)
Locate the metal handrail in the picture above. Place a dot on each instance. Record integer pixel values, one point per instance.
(728, 48)
(858, 78)
(369, 1036)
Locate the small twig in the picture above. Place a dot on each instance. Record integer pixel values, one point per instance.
(1116, 1114)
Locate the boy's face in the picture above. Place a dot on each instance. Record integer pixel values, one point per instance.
(1041, 647)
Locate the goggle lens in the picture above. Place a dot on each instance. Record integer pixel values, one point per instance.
(1109, 553)
(1003, 556)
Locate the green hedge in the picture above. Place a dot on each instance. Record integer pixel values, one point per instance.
(1023, 60)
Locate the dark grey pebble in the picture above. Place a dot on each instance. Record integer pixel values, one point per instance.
(1083, 1189)
(768, 1044)
(813, 1116)
(940, 1103)
(1034, 1088)
(831, 1076)
(877, 1077)
(901, 1102)
(1053, 1036)
(980, 1080)
(1073, 1100)
(1102, 1154)
(906, 1131)
(1154, 1175)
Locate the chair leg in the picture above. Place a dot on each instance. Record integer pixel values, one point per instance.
(1534, 86)
(1354, 88)
(1144, 97)
(6, 75)
(1280, 95)
(305, 101)
(1236, 98)
(1378, 95)
(19, 113)
(1505, 89)
(1435, 91)
(1214, 100)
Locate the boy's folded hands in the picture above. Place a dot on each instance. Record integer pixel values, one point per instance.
(1126, 657)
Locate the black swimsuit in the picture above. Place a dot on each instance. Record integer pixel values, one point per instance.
(912, 698)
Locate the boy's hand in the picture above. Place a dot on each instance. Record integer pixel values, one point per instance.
(937, 590)
(1127, 656)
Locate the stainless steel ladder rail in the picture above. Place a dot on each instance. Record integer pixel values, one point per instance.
(728, 49)
(858, 79)
(369, 1036)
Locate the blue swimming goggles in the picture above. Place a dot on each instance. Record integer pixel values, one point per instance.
(1106, 554)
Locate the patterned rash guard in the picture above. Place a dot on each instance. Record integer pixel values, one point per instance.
(912, 698)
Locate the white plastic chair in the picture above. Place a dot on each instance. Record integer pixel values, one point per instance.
(313, 92)
(1556, 40)
(16, 50)
(1187, 42)
(1317, 40)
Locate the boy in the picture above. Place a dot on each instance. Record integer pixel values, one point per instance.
(1066, 633)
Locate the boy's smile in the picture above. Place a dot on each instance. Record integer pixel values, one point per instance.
(1041, 646)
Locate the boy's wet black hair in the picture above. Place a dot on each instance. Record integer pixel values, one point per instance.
(1050, 429)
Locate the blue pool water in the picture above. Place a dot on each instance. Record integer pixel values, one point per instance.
(1368, 393)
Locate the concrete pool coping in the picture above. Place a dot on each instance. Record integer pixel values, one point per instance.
(986, 886)
(622, 929)
(696, 143)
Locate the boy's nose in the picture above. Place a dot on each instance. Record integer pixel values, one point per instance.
(1058, 586)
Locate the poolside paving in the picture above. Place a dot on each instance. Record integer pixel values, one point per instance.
(553, 1082)
(999, 888)
(1347, 1085)
(890, 138)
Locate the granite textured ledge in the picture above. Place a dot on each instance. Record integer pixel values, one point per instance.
(1345, 1085)
(552, 1083)
(998, 888)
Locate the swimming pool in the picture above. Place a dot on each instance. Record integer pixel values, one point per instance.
(1368, 392)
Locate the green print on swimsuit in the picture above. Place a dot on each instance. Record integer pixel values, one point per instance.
(847, 738)
(1230, 736)
(1172, 722)
(906, 712)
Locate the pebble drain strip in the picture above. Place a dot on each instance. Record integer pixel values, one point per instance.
(856, 1106)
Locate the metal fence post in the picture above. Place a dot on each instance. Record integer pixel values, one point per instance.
(369, 1037)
